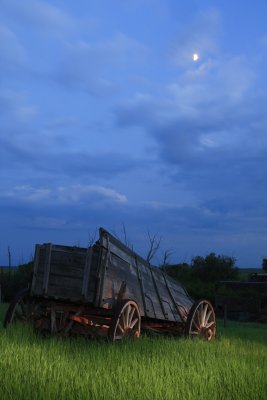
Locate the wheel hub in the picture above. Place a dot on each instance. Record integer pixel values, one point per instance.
(206, 333)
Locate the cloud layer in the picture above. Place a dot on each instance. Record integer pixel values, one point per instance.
(103, 124)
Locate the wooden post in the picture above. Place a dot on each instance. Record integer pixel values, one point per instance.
(224, 314)
(1, 281)
(9, 262)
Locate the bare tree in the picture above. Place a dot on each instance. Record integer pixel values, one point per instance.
(154, 244)
(125, 237)
(92, 238)
(166, 255)
(126, 241)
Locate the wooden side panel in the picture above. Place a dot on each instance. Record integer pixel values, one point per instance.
(154, 308)
(183, 301)
(119, 271)
(161, 297)
(170, 309)
(105, 273)
(64, 279)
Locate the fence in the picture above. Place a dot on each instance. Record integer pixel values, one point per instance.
(241, 308)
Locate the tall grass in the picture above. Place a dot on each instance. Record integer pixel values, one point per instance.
(232, 367)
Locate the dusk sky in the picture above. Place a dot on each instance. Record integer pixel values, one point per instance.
(107, 119)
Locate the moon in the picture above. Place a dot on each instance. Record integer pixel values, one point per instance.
(195, 57)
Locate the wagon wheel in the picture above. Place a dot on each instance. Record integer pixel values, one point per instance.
(21, 308)
(126, 321)
(201, 321)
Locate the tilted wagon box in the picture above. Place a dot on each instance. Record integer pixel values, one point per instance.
(107, 290)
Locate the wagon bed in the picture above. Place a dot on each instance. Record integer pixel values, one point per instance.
(89, 288)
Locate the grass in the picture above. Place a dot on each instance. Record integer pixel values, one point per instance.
(231, 367)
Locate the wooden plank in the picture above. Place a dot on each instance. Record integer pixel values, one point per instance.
(140, 278)
(164, 312)
(119, 248)
(180, 316)
(104, 261)
(68, 270)
(47, 267)
(35, 266)
(113, 279)
(86, 272)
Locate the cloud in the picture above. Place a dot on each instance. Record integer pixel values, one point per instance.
(94, 66)
(67, 163)
(210, 115)
(40, 15)
(13, 54)
(209, 131)
(74, 194)
(16, 106)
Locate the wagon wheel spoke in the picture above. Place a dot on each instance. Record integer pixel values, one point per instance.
(196, 325)
(208, 317)
(131, 316)
(203, 315)
(127, 315)
(22, 308)
(123, 318)
(210, 324)
(120, 328)
(199, 317)
(134, 322)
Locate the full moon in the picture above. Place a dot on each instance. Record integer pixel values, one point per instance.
(195, 57)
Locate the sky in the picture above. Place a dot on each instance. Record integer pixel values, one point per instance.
(106, 120)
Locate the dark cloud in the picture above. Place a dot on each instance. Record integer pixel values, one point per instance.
(69, 164)
(212, 139)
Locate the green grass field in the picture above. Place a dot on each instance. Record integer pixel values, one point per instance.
(231, 367)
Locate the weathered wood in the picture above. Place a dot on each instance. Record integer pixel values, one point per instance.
(105, 274)
(139, 274)
(86, 272)
(47, 267)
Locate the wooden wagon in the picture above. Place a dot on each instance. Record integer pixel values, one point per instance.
(107, 290)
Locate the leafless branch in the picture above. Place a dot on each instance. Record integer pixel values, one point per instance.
(154, 242)
(166, 255)
(92, 238)
(126, 242)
